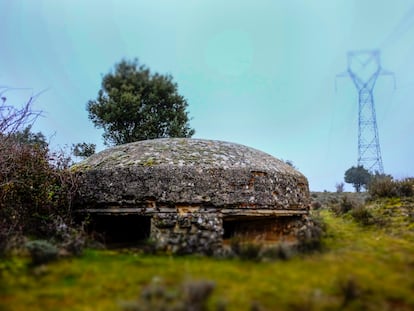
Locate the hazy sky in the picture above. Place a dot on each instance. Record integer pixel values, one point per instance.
(256, 72)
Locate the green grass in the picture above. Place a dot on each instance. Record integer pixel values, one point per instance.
(362, 268)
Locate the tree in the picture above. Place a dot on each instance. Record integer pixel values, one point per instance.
(83, 150)
(26, 136)
(357, 176)
(340, 187)
(133, 104)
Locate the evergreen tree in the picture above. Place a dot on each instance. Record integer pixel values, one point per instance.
(358, 176)
(133, 104)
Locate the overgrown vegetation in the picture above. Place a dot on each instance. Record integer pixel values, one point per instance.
(36, 189)
(190, 296)
(384, 186)
(361, 268)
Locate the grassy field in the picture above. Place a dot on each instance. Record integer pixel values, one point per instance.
(363, 267)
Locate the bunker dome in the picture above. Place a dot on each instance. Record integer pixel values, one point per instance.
(191, 195)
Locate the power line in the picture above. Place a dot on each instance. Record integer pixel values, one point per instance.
(364, 68)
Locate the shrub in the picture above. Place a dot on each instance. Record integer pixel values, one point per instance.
(41, 252)
(406, 187)
(362, 215)
(340, 187)
(282, 251)
(191, 296)
(384, 186)
(316, 205)
(249, 250)
(35, 188)
(310, 236)
(345, 205)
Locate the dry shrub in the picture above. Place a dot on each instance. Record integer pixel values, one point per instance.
(387, 187)
(191, 296)
(35, 190)
(345, 205)
(245, 249)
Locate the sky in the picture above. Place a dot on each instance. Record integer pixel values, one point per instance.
(262, 73)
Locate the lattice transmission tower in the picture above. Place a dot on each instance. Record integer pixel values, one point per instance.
(364, 68)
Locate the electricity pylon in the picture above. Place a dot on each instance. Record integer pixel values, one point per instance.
(364, 68)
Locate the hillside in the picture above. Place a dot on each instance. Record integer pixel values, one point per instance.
(367, 263)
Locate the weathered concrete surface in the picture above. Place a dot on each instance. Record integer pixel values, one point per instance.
(190, 187)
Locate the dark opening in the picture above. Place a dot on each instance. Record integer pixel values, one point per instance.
(121, 230)
(258, 228)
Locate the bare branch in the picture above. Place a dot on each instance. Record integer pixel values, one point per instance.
(13, 119)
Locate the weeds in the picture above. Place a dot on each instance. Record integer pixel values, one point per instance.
(247, 250)
(191, 296)
(345, 205)
(42, 252)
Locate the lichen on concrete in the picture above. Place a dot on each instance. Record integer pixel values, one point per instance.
(192, 184)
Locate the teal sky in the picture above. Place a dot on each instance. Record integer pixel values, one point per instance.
(256, 72)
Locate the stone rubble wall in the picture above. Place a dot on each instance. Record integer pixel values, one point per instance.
(187, 232)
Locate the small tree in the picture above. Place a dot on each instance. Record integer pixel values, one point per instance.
(26, 136)
(340, 187)
(134, 104)
(357, 176)
(83, 150)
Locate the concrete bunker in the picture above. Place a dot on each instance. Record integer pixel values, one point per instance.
(190, 195)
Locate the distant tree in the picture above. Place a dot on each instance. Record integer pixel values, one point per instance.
(26, 136)
(133, 104)
(358, 176)
(83, 150)
(340, 187)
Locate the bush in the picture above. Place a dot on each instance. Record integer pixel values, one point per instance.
(282, 251)
(41, 252)
(35, 188)
(362, 215)
(310, 236)
(249, 250)
(345, 205)
(406, 187)
(191, 296)
(384, 186)
(316, 205)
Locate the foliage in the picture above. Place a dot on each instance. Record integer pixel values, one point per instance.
(346, 204)
(191, 296)
(27, 137)
(343, 277)
(134, 104)
(248, 250)
(34, 189)
(310, 236)
(83, 150)
(340, 187)
(42, 252)
(384, 186)
(358, 176)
